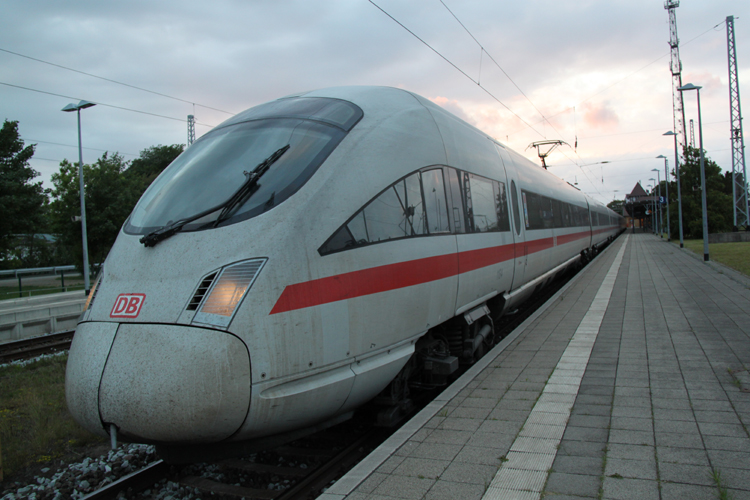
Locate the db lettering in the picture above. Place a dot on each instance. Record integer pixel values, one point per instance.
(127, 305)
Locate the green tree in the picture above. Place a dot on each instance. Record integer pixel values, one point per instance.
(109, 200)
(112, 187)
(616, 206)
(22, 201)
(718, 201)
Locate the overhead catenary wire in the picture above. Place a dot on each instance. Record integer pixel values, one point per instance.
(35, 141)
(545, 120)
(476, 82)
(454, 66)
(483, 50)
(116, 82)
(184, 120)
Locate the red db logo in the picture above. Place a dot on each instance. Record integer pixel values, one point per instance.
(128, 305)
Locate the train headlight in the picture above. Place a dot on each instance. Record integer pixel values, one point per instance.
(225, 294)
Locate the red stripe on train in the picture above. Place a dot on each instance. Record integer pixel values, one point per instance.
(403, 274)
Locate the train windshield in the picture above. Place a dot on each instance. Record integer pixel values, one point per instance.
(246, 166)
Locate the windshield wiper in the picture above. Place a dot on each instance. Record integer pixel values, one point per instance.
(251, 181)
(244, 191)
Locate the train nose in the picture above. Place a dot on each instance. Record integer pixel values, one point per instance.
(159, 383)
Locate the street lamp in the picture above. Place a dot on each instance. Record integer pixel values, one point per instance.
(653, 226)
(697, 89)
(679, 190)
(666, 184)
(659, 215)
(77, 108)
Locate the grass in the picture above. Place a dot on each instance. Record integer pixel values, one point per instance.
(734, 255)
(724, 493)
(35, 426)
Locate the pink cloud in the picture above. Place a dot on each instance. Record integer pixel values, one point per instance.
(600, 116)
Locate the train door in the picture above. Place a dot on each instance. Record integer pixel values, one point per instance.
(486, 244)
(519, 234)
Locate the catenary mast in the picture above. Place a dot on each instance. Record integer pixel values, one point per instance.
(191, 129)
(676, 67)
(739, 174)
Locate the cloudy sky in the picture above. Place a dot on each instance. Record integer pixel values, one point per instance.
(522, 71)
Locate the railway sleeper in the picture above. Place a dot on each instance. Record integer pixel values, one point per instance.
(210, 486)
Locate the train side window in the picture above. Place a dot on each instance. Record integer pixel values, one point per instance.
(501, 205)
(413, 206)
(434, 201)
(532, 205)
(547, 213)
(557, 215)
(384, 217)
(516, 215)
(398, 212)
(567, 215)
(483, 210)
(457, 216)
(358, 229)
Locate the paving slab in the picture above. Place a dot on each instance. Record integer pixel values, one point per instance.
(626, 384)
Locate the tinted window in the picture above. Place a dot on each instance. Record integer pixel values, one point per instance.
(211, 171)
(501, 206)
(413, 206)
(435, 202)
(455, 192)
(385, 217)
(533, 210)
(557, 217)
(516, 215)
(481, 204)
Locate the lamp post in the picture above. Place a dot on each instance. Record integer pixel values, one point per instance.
(659, 215)
(653, 226)
(77, 108)
(697, 89)
(679, 190)
(666, 185)
(655, 217)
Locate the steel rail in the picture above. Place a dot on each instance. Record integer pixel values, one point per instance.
(35, 346)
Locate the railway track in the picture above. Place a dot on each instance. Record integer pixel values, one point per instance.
(290, 472)
(35, 346)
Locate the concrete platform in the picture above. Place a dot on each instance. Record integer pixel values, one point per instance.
(631, 383)
(39, 315)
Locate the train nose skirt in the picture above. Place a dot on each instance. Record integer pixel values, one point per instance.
(174, 384)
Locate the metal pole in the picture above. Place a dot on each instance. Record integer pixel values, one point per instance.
(83, 210)
(703, 181)
(666, 183)
(679, 190)
(659, 215)
(653, 226)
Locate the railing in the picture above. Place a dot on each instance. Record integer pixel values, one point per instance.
(39, 272)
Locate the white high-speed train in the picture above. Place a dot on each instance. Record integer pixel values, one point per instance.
(302, 255)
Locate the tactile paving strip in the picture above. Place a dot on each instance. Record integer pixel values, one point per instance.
(523, 475)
